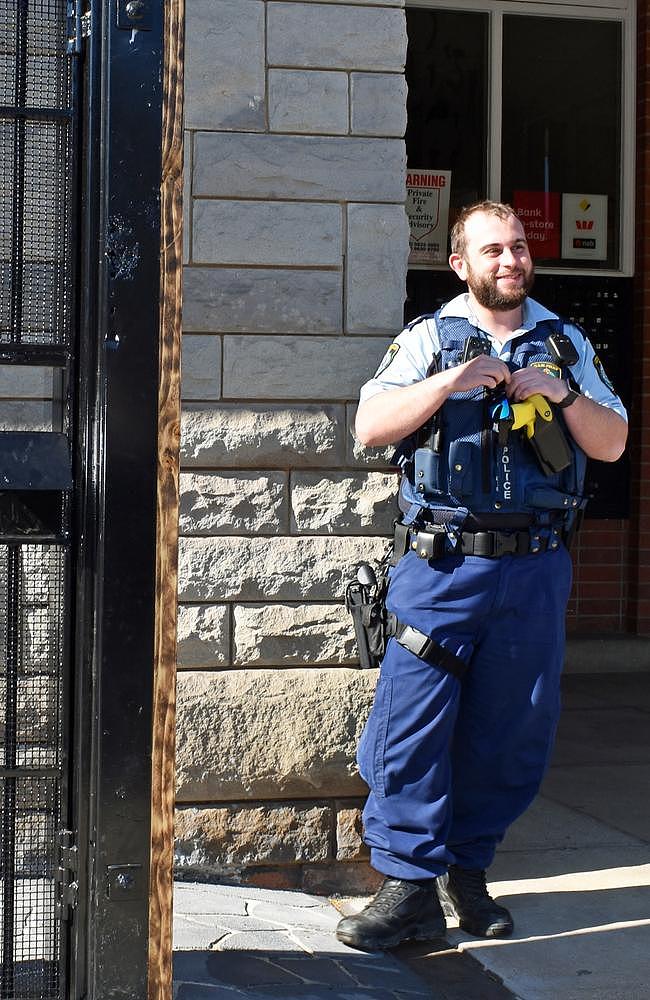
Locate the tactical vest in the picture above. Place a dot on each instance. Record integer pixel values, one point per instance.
(457, 462)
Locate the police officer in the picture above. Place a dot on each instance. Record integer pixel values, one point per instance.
(467, 700)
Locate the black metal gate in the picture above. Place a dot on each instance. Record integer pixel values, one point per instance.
(79, 274)
(37, 204)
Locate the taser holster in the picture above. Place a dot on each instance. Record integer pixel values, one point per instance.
(544, 433)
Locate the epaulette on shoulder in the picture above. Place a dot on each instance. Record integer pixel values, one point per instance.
(418, 319)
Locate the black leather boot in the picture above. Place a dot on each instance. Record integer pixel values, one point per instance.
(401, 911)
(463, 894)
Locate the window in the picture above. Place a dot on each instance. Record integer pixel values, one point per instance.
(532, 104)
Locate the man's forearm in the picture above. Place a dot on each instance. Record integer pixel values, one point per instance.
(599, 431)
(395, 413)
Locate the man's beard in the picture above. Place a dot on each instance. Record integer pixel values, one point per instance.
(486, 290)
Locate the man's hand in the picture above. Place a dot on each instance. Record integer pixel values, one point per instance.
(480, 371)
(600, 432)
(525, 382)
(392, 415)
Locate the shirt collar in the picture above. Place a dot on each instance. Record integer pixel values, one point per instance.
(533, 313)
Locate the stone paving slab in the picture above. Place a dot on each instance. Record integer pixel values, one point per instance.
(551, 822)
(296, 975)
(602, 736)
(193, 897)
(316, 918)
(613, 794)
(579, 935)
(515, 865)
(191, 991)
(191, 936)
(283, 944)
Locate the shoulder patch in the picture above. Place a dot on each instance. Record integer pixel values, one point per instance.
(602, 375)
(387, 359)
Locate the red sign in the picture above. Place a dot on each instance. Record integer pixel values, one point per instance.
(539, 213)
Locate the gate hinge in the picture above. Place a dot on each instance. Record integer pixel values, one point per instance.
(66, 875)
(78, 26)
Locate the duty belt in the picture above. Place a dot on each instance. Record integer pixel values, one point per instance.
(431, 542)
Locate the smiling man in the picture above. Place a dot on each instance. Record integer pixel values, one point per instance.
(494, 403)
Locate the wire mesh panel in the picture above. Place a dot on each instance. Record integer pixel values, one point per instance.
(32, 608)
(36, 150)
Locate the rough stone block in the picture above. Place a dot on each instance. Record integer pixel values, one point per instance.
(203, 636)
(40, 644)
(35, 835)
(376, 264)
(378, 103)
(349, 842)
(232, 504)
(260, 569)
(39, 576)
(224, 68)
(344, 37)
(343, 503)
(325, 368)
(353, 879)
(201, 367)
(268, 436)
(356, 453)
(262, 232)
(270, 734)
(224, 840)
(278, 634)
(318, 168)
(308, 101)
(261, 300)
(37, 715)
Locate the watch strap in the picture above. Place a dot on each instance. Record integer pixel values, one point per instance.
(570, 397)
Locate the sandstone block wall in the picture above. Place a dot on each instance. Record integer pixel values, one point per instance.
(296, 245)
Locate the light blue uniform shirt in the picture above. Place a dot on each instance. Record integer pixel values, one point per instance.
(409, 356)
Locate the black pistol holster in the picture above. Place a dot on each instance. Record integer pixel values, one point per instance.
(365, 599)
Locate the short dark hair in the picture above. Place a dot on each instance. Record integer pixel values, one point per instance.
(457, 235)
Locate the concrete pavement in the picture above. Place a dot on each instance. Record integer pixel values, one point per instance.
(575, 870)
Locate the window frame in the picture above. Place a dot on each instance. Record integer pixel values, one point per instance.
(622, 11)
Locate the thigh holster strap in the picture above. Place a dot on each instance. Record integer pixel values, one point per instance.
(427, 649)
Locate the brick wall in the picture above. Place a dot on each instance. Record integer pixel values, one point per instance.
(638, 617)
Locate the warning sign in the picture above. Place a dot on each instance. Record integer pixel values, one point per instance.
(427, 206)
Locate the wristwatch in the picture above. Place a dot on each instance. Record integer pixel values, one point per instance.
(570, 397)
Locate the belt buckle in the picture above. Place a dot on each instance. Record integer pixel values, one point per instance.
(415, 641)
(505, 544)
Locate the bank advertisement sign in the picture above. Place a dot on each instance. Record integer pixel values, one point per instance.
(539, 213)
(568, 226)
(584, 226)
(427, 206)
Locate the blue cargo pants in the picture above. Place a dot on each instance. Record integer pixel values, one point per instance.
(450, 764)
